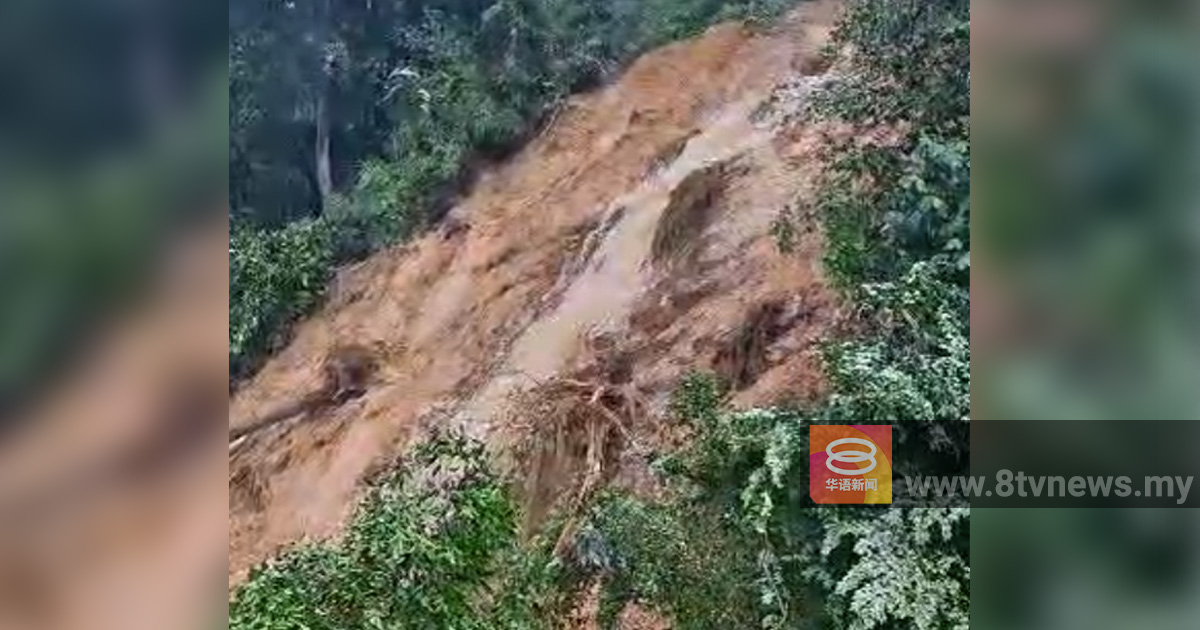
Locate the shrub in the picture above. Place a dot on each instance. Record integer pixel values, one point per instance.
(434, 545)
(274, 277)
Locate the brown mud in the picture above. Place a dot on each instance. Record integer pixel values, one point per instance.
(626, 245)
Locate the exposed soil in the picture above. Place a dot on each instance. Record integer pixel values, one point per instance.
(550, 315)
(628, 244)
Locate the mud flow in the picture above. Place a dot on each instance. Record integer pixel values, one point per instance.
(571, 289)
(551, 316)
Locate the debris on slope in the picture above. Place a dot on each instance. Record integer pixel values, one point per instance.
(628, 244)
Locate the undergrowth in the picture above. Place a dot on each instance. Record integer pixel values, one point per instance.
(434, 545)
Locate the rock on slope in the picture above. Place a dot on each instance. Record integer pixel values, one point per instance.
(633, 232)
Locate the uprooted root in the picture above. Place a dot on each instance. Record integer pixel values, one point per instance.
(247, 492)
(571, 435)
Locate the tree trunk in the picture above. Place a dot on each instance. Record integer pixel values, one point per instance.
(324, 24)
(324, 166)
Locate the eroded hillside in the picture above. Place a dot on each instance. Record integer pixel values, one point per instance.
(626, 245)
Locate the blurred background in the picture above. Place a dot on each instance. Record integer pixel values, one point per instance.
(112, 137)
(1085, 288)
(113, 311)
(1085, 142)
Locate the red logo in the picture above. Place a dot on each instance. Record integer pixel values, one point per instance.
(850, 463)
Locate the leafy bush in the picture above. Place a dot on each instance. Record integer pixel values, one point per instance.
(916, 364)
(845, 567)
(739, 527)
(645, 552)
(888, 207)
(433, 546)
(273, 278)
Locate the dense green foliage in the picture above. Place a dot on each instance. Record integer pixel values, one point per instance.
(415, 84)
(435, 545)
(889, 207)
(899, 243)
(773, 557)
(896, 216)
(666, 555)
(281, 273)
(408, 96)
(736, 541)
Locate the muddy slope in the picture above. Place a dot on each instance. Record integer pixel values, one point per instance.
(633, 233)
